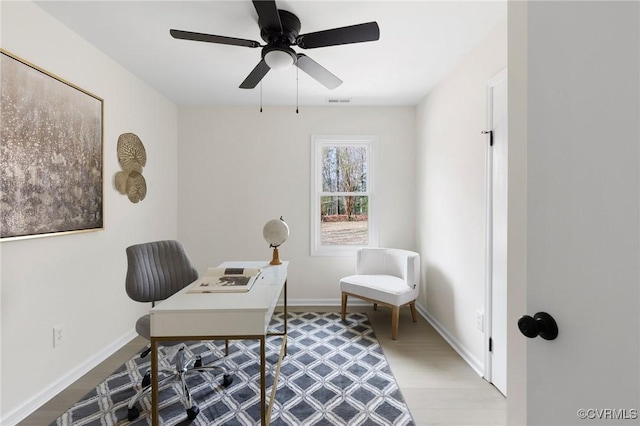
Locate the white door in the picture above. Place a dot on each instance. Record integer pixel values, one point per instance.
(496, 354)
(574, 192)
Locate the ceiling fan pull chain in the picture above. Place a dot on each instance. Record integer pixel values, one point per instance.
(260, 96)
(297, 84)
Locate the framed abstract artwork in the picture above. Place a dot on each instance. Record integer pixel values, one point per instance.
(51, 150)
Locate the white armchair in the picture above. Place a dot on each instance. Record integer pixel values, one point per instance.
(389, 277)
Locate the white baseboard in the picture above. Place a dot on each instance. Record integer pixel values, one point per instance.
(325, 302)
(31, 405)
(468, 357)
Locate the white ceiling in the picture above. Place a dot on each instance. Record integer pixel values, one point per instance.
(420, 42)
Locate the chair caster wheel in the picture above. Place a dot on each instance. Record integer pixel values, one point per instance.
(146, 380)
(226, 380)
(145, 353)
(192, 412)
(198, 362)
(133, 413)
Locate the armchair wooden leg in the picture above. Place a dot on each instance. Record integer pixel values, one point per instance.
(395, 320)
(414, 316)
(344, 305)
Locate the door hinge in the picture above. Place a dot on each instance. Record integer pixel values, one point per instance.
(490, 344)
(490, 133)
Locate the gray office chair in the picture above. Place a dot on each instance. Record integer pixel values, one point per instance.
(155, 271)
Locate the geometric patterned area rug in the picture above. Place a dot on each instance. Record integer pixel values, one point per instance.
(334, 373)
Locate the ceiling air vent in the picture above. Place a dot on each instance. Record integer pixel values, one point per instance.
(338, 101)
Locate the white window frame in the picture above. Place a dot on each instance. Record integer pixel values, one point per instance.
(317, 143)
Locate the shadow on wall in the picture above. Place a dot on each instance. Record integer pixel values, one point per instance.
(437, 292)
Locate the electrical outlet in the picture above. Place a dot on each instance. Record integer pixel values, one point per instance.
(480, 321)
(58, 335)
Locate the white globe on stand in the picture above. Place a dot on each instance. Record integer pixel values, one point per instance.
(275, 232)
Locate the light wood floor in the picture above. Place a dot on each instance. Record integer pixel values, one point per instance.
(438, 386)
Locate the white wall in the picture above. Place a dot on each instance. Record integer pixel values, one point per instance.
(78, 280)
(240, 168)
(451, 168)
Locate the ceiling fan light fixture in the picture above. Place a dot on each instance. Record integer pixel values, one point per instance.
(280, 29)
(278, 59)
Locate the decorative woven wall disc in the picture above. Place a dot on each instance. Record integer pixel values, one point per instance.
(131, 153)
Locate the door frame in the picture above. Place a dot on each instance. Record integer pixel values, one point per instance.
(517, 45)
(488, 287)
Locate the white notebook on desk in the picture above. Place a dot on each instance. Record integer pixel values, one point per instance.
(221, 280)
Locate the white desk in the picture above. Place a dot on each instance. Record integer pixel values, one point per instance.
(222, 316)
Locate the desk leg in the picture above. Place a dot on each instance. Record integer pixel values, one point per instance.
(263, 383)
(285, 316)
(272, 399)
(154, 382)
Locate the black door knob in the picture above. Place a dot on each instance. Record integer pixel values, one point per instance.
(541, 324)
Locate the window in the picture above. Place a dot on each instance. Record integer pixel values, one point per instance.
(341, 195)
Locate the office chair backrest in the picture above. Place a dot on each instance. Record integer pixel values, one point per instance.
(157, 270)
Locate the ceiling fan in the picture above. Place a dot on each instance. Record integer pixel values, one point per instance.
(280, 30)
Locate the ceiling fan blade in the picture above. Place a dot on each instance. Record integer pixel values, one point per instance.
(255, 75)
(210, 38)
(268, 16)
(344, 35)
(317, 71)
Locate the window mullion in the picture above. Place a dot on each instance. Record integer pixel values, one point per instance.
(343, 194)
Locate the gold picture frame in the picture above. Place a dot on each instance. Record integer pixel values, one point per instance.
(51, 149)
